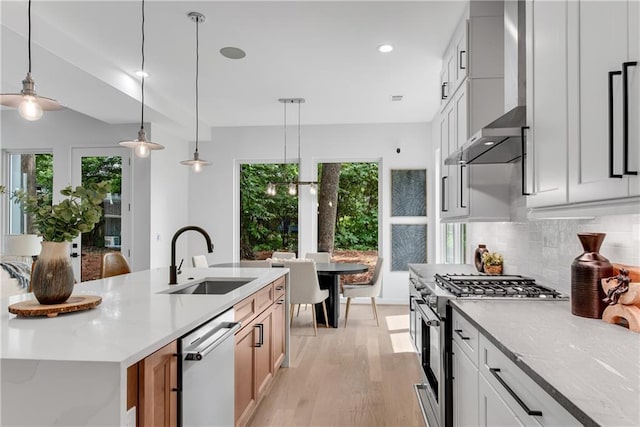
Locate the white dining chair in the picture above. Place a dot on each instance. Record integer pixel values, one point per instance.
(254, 263)
(283, 255)
(200, 261)
(369, 289)
(319, 256)
(305, 289)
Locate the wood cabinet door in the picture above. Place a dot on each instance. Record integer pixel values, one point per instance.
(278, 337)
(465, 389)
(263, 351)
(158, 381)
(547, 115)
(245, 386)
(600, 31)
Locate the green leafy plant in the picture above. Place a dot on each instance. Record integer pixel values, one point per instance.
(492, 258)
(76, 214)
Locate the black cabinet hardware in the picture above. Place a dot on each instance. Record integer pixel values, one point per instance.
(460, 60)
(462, 205)
(625, 117)
(443, 195)
(523, 141)
(612, 174)
(513, 394)
(459, 332)
(260, 327)
(442, 89)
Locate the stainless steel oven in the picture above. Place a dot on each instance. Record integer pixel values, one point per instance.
(431, 355)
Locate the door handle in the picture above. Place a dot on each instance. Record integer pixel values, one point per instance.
(462, 205)
(513, 394)
(74, 255)
(442, 89)
(523, 141)
(260, 327)
(442, 194)
(625, 117)
(611, 172)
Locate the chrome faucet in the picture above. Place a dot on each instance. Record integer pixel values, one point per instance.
(173, 270)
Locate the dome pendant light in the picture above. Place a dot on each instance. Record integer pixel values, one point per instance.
(141, 147)
(30, 106)
(196, 163)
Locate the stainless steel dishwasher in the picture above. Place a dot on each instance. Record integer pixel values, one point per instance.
(207, 373)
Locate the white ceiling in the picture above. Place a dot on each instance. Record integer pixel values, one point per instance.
(85, 54)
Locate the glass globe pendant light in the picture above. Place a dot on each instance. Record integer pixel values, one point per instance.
(141, 147)
(30, 106)
(196, 162)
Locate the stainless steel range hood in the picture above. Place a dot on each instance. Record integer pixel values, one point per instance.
(500, 141)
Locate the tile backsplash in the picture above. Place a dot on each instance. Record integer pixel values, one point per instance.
(545, 249)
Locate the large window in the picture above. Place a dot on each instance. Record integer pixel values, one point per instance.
(33, 173)
(267, 222)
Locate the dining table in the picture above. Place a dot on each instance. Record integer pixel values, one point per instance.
(328, 278)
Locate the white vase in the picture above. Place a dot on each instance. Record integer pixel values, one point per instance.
(52, 279)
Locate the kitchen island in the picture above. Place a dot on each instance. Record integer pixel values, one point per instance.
(591, 368)
(72, 369)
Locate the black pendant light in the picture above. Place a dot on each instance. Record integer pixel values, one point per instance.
(29, 104)
(196, 162)
(142, 147)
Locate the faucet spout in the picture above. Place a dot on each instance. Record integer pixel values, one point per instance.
(173, 270)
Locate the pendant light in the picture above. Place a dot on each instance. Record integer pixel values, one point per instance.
(141, 147)
(29, 104)
(196, 163)
(292, 187)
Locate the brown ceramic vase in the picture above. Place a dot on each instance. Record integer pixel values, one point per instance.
(586, 272)
(52, 280)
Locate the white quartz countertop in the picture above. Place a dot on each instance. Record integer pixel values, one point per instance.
(134, 319)
(590, 367)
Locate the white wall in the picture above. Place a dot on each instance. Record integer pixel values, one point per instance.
(155, 180)
(213, 194)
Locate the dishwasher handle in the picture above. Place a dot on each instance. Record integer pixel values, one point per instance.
(214, 341)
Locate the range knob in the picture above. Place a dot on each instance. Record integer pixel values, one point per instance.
(432, 301)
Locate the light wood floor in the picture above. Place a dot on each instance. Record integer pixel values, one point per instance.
(358, 376)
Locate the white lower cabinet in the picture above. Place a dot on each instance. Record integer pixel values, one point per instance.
(496, 392)
(493, 410)
(465, 388)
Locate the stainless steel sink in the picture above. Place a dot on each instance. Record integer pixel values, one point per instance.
(213, 286)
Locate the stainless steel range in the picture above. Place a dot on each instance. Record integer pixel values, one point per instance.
(431, 332)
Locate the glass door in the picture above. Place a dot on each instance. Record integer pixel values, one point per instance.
(113, 232)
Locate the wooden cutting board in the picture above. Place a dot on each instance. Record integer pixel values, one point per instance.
(74, 303)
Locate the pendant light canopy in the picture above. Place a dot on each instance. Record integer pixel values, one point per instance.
(196, 162)
(29, 104)
(292, 187)
(142, 147)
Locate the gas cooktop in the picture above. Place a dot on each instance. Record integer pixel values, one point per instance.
(480, 285)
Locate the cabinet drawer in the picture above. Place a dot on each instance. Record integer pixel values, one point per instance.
(264, 298)
(524, 397)
(245, 310)
(279, 288)
(465, 335)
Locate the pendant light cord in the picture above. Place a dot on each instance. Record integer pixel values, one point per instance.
(29, 13)
(299, 157)
(197, 75)
(142, 109)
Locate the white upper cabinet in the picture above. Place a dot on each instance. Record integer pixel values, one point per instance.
(583, 102)
(547, 137)
(599, 33)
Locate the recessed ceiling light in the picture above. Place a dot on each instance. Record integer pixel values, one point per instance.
(385, 48)
(232, 52)
(489, 143)
(141, 73)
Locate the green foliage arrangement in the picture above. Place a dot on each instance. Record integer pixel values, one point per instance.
(492, 258)
(76, 214)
